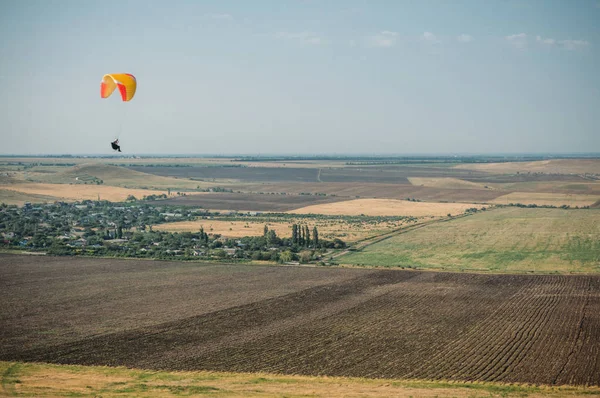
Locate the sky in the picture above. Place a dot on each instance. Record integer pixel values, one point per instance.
(301, 76)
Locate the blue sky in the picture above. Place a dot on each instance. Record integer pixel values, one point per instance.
(310, 77)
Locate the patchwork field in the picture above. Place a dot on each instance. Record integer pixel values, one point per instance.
(376, 190)
(235, 173)
(389, 324)
(387, 207)
(552, 166)
(247, 202)
(387, 175)
(504, 240)
(110, 175)
(73, 192)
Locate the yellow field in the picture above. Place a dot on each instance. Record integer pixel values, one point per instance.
(328, 229)
(445, 182)
(542, 198)
(387, 207)
(553, 166)
(77, 191)
(41, 380)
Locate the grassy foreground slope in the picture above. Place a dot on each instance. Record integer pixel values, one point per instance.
(42, 380)
(502, 240)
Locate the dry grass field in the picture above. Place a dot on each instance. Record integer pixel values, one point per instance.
(47, 380)
(502, 240)
(553, 166)
(19, 198)
(387, 207)
(581, 188)
(328, 228)
(75, 191)
(543, 198)
(313, 321)
(110, 175)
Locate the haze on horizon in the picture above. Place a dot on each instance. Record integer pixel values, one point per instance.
(301, 76)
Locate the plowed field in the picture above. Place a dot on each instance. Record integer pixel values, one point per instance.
(295, 320)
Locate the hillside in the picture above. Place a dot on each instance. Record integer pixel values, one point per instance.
(94, 173)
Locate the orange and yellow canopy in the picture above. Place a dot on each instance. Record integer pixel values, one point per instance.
(124, 81)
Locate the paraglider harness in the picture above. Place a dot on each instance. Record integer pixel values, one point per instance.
(115, 145)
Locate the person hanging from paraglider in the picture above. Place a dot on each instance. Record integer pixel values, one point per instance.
(126, 84)
(115, 145)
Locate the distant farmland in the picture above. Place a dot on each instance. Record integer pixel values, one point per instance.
(248, 202)
(234, 173)
(377, 190)
(294, 320)
(389, 174)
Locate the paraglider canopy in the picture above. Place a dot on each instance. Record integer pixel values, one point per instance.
(124, 81)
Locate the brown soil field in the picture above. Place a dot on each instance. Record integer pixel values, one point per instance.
(552, 199)
(376, 190)
(299, 320)
(445, 182)
(387, 207)
(77, 191)
(247, 202)
(234, 173)
(553, 166)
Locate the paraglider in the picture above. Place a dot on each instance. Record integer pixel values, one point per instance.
(127, 85)
(115, 145)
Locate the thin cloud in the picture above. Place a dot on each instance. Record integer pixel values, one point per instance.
(301, 37)
(546, 41)
(463, 38)
(573, 44)
(518, 40)
(385, 38)
(430, 37)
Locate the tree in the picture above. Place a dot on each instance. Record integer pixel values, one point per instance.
(271, 237)
(294, 234)
(305, 256)
(307, 236)
(265, 230)
(119, 232)
(315, 236)
(286, 256)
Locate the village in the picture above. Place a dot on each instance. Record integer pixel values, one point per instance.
(102, 228)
